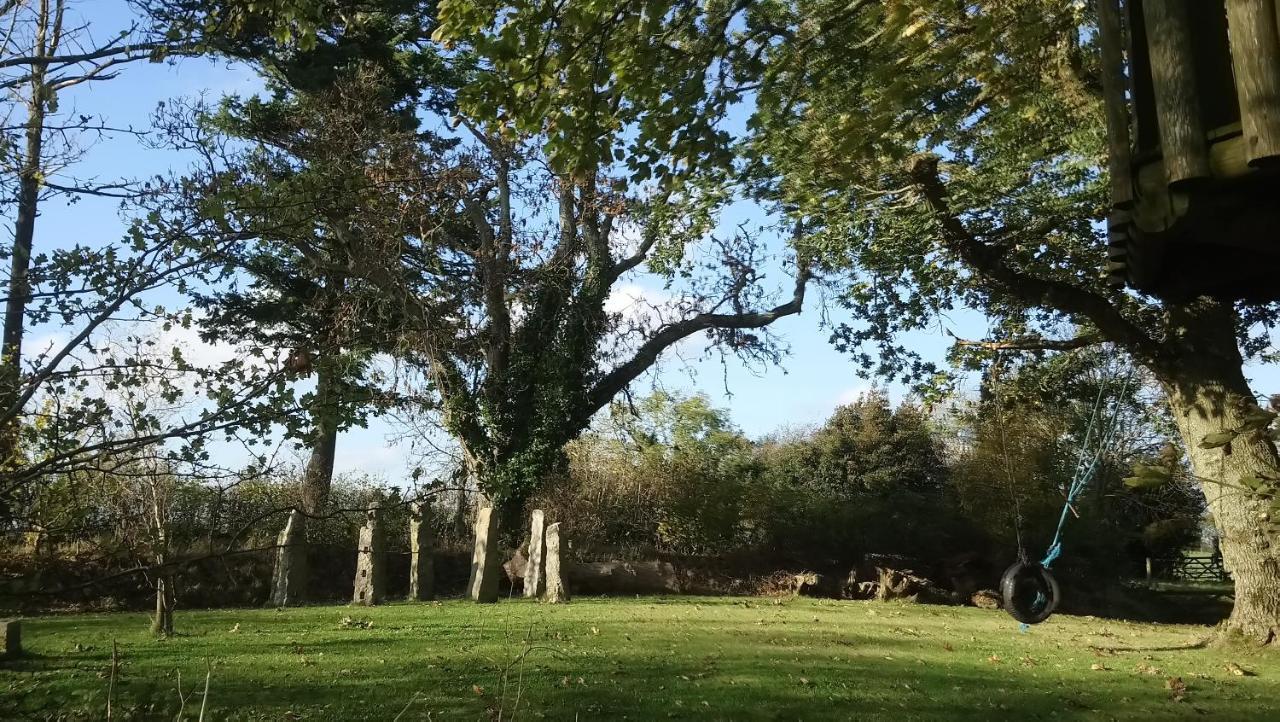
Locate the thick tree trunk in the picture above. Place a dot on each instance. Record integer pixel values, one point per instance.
(1208, 394)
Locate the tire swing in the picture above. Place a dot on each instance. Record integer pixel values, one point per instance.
(1028, 590)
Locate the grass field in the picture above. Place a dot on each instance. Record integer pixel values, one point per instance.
(635, 659)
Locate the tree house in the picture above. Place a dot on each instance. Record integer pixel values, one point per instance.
(1192, 90)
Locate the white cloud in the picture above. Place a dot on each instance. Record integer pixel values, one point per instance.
(852, 394)
(637, 303)
(195, 350)
(44, 345)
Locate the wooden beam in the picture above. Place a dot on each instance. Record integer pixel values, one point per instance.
(1182, 137)
(1111, 39)
(1255, 58)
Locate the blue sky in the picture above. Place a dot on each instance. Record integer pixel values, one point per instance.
(812, 380)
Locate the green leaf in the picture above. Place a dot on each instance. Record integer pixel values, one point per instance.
(1144, 482)
(1252, 483)
(1161, 472)
(1256, 419)
(1218, 440)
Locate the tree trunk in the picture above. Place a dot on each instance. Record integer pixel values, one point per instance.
(24, 229)
(318, 476)
(162, 622)
(290, 577)
(1208, 394)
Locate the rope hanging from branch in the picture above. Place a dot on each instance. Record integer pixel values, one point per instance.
(1029, 590)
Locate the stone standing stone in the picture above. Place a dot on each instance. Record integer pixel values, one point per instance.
(556, 590)
(12, 638)
(289, 578)
(533, 580)
(421, 566)
(370, 582)
(486, 563)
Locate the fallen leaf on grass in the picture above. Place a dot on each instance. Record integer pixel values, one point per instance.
(1147, 669)
(478, 690)
(1238, 671)
(994, 659)
(1099, 667)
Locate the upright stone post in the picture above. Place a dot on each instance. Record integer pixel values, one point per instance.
(421, 566)
(12, 638)
(555, 591)
(485, 564)
(289, 577)
(370, 582)
(533, 580)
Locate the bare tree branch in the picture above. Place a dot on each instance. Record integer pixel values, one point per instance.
(991, 263)
(669, 335)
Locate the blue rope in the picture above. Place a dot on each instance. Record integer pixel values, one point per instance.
(1087, 465)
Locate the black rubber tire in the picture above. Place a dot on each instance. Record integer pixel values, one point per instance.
(1019, 587)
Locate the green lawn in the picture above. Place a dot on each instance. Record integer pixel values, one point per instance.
(644, 658)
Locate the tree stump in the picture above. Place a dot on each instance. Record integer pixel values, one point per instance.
(421, 566)
(370, 583)
(486, 562)
(289, 577)
(533, 580)
(555, 591)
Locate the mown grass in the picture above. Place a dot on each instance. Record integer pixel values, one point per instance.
(636, 659)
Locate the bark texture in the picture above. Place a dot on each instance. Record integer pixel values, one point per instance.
(162, 622)
(1209, 394)
(28, 201)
